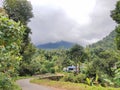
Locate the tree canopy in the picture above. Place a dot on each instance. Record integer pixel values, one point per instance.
(115, 14)
(11, 35)
(18, 10)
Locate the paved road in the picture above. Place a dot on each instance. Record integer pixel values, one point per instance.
(26, 85)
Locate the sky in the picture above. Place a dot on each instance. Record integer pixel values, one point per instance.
(78, 21)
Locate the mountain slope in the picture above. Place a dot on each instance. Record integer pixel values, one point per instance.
(106, 43)
(61, 44)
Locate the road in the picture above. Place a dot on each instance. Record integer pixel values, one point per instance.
(26, 85)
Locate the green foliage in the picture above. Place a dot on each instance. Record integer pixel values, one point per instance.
(27, 65)
(117, 77)
(107, 42)
(80, 78)
(118, 37)
(52, 70)
(70, 86)
(6, 83)
(11, 35)
(115, 14)
(89, 81)
(77, 54)
(103, 62)
(43, 70)
(21, 10)
(69, 77)
(107, 82)
(18, 10)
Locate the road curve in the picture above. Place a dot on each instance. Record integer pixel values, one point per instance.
(26, 85)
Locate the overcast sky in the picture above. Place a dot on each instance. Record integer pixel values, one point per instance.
(79, 21)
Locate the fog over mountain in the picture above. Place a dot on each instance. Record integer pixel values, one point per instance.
(51, 24)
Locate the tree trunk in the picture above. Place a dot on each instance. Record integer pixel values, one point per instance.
(76, 71)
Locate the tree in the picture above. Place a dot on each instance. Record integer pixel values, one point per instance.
(11, 35)
(77, 55)
(21, 10)
(26, 60)
(115, 14)
(18, 10)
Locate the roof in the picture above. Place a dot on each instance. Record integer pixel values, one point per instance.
(71, 66)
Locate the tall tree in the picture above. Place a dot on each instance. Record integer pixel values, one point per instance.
(11, 35)
(77, 55)
(115, 14)
(21, 10)
(18, 10)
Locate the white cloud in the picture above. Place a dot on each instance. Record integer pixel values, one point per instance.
(79, 10)
(79, 21)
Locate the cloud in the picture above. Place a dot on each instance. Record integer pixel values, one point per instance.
(75, 9)
(0, 3)
(52, 24)
(101, 22)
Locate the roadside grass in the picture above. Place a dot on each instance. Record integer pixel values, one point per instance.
(22, 77)
(15, 87)
(69, 85)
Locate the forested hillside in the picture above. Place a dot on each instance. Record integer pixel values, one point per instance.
(56, 45)
(106, 43)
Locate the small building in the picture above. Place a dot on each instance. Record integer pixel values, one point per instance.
(70, 68)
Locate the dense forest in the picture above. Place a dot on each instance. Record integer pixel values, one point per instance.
(96, 64)
(107, 42)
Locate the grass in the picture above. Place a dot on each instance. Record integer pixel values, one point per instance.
(70, 86)
(22, 77)
(15, 87)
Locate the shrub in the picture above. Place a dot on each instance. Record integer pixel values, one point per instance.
(11, 36)
(7, 83)
(69, 78)
(80, 78)
(52, 70)
(43, 70)
(117, 78)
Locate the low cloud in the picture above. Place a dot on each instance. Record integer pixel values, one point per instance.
(51, 25)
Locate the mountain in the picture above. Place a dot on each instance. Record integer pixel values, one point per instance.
(106, 43)
(56, 45)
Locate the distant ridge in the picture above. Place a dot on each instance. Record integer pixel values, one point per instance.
(106, 43)
(56, 45)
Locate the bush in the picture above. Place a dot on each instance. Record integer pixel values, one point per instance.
(43, 70)
(69, 78)
(105, 80)
(7, 83)
(80, 78)
(117, 78)
(52, 70)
